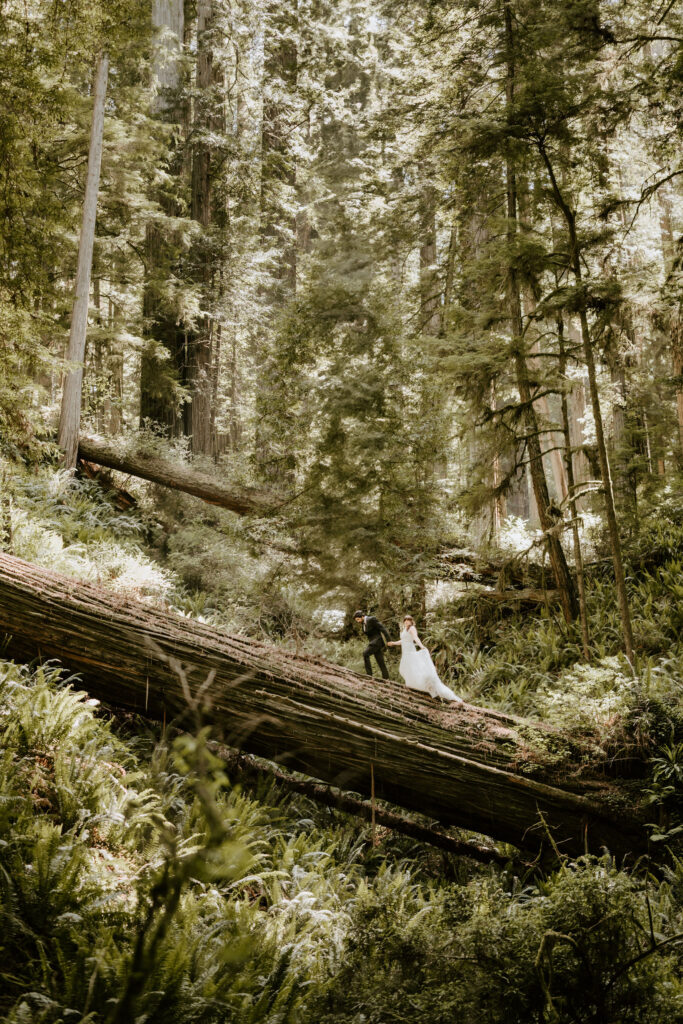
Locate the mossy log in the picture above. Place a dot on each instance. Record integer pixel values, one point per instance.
(460, 765)
(242, 500)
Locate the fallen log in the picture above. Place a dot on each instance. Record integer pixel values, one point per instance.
(463, 566)
(526, 596)
(466, 766)
(243, 500)
(119, 496)
(245, 768)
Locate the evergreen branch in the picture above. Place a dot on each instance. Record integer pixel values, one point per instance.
(646, 193)
(668, 7)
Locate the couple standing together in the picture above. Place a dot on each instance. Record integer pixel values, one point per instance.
(416, 667)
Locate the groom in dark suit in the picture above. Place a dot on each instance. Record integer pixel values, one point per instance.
(376, 634)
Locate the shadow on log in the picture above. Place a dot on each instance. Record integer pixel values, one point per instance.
(464, 766)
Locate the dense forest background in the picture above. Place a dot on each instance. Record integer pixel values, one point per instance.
(407, 275)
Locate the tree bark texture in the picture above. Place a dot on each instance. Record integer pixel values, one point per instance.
(243, 500)
(461, 765)
(70, 416)
(278, 160)
(169, 17)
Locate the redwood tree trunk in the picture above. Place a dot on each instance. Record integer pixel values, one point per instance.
(678, 373)
(70, 416)
(278, 226)
(163, 361)
(201, 356)
(278, 162)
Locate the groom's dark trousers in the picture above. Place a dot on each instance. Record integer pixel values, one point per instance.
(375, 632)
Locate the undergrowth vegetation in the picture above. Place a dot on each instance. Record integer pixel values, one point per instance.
(137, 882)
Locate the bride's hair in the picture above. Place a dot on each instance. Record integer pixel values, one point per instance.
(410, 619)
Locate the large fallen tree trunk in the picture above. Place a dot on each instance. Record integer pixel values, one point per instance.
(243, 500)
(463, 766)
(246, 769)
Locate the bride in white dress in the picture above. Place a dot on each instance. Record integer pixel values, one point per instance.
(417, 667)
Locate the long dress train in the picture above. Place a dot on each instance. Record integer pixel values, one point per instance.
(419, 673)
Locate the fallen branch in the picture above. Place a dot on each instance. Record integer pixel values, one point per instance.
(527, 596)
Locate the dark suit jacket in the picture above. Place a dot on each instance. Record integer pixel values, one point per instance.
(375, 631)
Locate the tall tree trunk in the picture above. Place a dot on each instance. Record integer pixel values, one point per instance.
(677, 346)
(668, 240)
(278, 226)
(70, 417)
(550, 444)
(571, 487)
(430, 306)
(558, 560)
(619, 436)
(612, 525)
(576, 400)
(450, 267)
(100, 372)
(278, 162)
(163, 361)
(201, 355)
(499, 509)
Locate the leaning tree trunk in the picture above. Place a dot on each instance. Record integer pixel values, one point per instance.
(461, 765)
(243, 500)
(253, 771)
(569, 215)
(70, 416)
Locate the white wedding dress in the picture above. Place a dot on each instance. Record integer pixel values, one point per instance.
(418, 671)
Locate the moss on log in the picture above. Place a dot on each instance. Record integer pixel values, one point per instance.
(463, 766)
